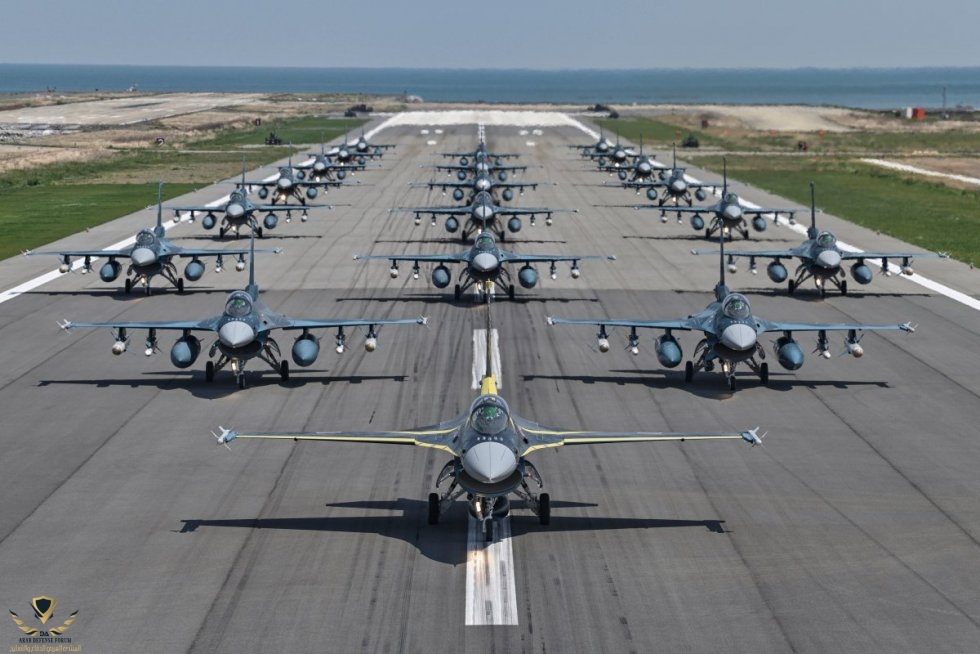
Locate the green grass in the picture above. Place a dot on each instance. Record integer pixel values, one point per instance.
(303, 129)
(927, 214)
(43, 217)
(46, 203)
(656, 133)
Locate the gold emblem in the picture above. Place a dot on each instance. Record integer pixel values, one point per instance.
(43, 609)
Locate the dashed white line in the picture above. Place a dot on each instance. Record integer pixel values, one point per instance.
(491, 593)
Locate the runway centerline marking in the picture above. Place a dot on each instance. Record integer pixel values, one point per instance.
(491, 593)
(480, 357)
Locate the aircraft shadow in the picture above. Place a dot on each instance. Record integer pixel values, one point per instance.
(445, 542)
(242, 238)
(223, 385)
(707, 385)
(119, 294)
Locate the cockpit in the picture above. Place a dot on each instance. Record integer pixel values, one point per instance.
(736, 307)
(239, 304)
(731, 198)
(489, 416)
(484, 242)
(145, 238)
(826, 240)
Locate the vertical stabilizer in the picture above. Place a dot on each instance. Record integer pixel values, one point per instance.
(252, 288)
(812, 231)
(721, 290)
(159, 231)
(489, 384)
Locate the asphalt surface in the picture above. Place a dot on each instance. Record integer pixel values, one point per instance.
(853, 529)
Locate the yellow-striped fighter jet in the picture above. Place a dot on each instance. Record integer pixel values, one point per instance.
(489, 446)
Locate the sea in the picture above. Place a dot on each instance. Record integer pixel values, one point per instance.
(867, 88)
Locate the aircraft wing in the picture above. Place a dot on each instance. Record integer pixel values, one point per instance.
(772, 254)
(83, 253)
(763, 326)
(177, 251)
(525, 211)
(208, 324)
(511, 257)
(453, 211)
(469, 169)
(892, 255)
(448, 258)
(275, 321)
(684, 324)
(440, 437)
(539, 438)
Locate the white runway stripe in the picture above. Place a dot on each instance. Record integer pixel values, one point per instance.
(491, 595)
(480, 357)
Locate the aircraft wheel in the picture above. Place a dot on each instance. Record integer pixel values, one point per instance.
(146, 289)
(791, 286)
(180, 285)
(284, 370)
(731, 383)
(510, 291)
(209, 371)
(843, 288)
(241, 380)
(544, 509)
(764, 373)
(458, 292)
(823, 291)
(488, 531)
(707, 233)
(221, 233)
(433, 508)
(258, 232)
(128, 285)
(689, 371)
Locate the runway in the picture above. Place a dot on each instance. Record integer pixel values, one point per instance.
(855, 528)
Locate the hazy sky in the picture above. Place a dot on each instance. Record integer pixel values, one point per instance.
(495, 34)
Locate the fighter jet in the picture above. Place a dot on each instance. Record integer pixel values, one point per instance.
(614, 159)
(243, 332)
(484, 266)
(729, 215)
(481, 154)
(821, 259)
(489, 446)
(290, 185)
(151, 254)
(323, 167)
(601, 147)
(481, 183)
(240, 212)
(483, 214)
(362, 146)
(731, 336)
(675, 186)
(643, 168)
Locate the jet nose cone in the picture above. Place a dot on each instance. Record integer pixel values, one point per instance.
(733, 212)
(489, 461)
(236, 333)
(482, 185)
(828, 259)
(483, 212)
(678, 186)
(485, 262)
(143, 256)
(738, 337)
(235, 210)
(319, 166)
(284, 183)
(644, 167)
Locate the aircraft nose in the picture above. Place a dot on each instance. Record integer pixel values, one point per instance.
(483, 212)
(828, 259)
(739, 337)
(235, 210)
(733, 212)
(319, 166)
(284, 183)
(143, 256)
(678, 186)
(489, 461)
(236, 333)
(485, 262)
(644, 167)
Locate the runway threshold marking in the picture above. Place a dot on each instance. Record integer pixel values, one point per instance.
(491, 593)
(480, 357)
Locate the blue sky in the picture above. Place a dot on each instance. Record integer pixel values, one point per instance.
(501, 34)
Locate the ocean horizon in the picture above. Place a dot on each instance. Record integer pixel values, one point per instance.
(864, 88)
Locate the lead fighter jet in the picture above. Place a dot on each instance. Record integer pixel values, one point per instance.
(489, 446)
(243, 330)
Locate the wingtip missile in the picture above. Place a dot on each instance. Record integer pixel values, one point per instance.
(66, 325)
(422, 320)
(907, 327)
